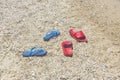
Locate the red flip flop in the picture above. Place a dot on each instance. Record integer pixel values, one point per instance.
(67, 47)
(78, 35)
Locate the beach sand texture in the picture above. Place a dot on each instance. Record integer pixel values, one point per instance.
(23, 23)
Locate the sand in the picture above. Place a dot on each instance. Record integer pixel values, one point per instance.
(23, 23)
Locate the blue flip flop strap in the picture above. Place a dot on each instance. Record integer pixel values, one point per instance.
(53, 32)
(32, 50)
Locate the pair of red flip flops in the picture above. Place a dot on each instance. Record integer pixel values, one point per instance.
(67, 46)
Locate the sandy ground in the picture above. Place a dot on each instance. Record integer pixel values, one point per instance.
(23, 23)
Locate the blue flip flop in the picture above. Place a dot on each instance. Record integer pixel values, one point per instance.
(51, 34)
(35, 52)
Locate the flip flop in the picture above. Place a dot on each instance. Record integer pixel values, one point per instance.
(67, 47)
(34, 52)
(51, 34)
(78, 35)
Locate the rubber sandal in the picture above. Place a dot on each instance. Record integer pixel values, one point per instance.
(34, 52)
(51, 34)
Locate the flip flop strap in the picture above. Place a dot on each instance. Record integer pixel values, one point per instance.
(32, 50)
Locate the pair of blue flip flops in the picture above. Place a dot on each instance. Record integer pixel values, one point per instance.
(34, 52)
(39, 51)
